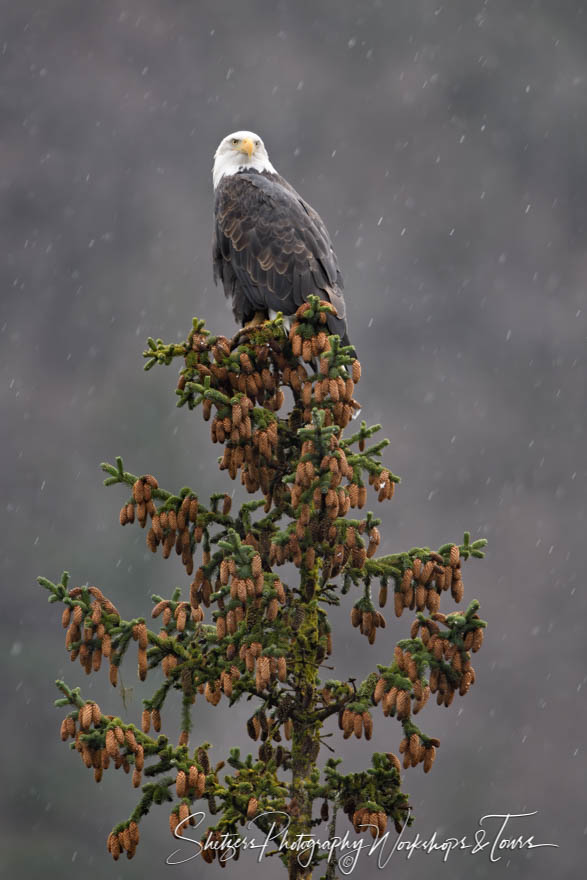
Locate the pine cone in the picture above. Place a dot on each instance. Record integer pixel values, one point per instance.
(252, 807)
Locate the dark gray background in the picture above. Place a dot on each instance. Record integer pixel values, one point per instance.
(443, 145)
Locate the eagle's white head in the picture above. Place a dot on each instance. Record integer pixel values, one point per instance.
(240, 151)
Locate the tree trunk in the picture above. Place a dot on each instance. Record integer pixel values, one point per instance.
(305, 729)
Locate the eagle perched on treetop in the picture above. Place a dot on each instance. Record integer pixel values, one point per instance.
(271, 248)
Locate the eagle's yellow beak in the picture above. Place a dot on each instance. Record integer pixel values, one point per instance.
(247, 146)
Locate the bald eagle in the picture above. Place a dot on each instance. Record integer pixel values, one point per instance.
(271, 249)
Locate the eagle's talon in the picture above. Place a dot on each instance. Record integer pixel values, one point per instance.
(243, 333)
(258, 322)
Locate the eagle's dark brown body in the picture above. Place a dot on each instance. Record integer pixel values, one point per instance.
(272, 250)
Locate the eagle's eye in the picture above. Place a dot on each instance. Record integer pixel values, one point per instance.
(257, 143)
(235, 141)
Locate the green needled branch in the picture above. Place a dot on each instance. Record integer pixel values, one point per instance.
(240, 630)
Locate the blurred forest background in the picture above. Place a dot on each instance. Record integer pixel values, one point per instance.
(444, 146)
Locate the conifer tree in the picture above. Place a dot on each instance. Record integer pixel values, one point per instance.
(249, 627)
